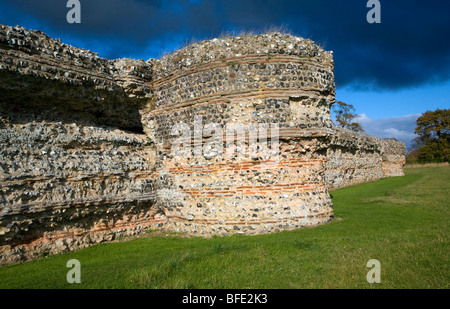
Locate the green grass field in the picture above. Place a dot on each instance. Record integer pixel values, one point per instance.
(400, 221)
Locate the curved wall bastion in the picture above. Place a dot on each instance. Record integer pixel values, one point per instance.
(229, 135)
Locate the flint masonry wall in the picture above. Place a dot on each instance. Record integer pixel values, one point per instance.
(354, 157)
(65, 186)
(87, 143)
(393, 157)
(75, 166)
(266, 79)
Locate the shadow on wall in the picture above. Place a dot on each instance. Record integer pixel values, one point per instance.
(54, 101)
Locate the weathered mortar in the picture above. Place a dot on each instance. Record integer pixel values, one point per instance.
(68, 176)
(65, 186)
(76, 167)
(252, 80)
(354, 157)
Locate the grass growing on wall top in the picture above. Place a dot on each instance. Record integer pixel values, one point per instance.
(400, 221)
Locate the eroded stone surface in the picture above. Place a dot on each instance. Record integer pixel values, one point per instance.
(65, 186)
(39, 74)
(271, 79)
(354, 158)
(86, 143)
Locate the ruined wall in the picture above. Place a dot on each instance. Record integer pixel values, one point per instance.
(65, 186)
(354, 157)
(71, 174)
(87, 144)
(258, 80)
(39, 74)
(394, 158)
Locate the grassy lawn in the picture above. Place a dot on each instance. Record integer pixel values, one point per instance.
(400, 221)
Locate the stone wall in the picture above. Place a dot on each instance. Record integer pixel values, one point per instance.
(354, 158)
(393, 158)
(41, 74)
(65, 186)
(75, 166)
(87, 144)
(270, 79)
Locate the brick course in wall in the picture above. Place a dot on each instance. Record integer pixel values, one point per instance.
(265, 79)
(87, 143)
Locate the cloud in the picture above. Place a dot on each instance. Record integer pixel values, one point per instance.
(409, 48)
(400, 128)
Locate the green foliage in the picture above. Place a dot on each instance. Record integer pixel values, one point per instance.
(434, 124)
(345, 115)
(433, 143)
(437, 150)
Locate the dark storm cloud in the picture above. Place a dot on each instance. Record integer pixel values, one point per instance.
(409, 48)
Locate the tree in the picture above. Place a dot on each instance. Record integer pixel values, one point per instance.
(434, 124)
(413, 154)
(433, 128)
(345, 116)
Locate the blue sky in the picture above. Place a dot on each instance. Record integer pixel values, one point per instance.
(391, 72)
